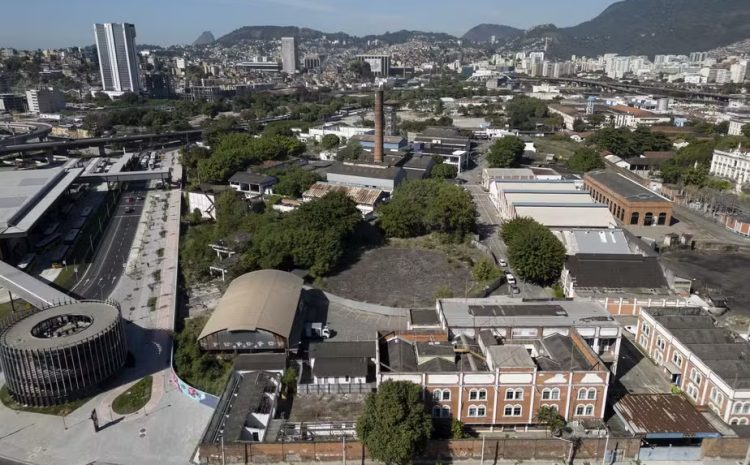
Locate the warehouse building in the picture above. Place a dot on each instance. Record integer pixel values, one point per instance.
(629, 201)
(258, 312)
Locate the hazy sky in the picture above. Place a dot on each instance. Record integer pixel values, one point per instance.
(60, 23)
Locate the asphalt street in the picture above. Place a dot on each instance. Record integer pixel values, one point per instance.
(101, 277)
(489, 225)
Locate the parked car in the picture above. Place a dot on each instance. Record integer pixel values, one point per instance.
(129, 209)
(510, 279)
(502, 262)
(514, 289)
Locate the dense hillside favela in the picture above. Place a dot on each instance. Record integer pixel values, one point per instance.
(520, 234)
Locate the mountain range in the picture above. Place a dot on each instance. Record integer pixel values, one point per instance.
(633, 27)
(205, 38)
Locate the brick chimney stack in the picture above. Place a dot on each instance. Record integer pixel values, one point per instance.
(379, 126)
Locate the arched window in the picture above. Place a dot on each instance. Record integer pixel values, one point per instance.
(743, 421)
(746, 408)
(512, 411)
(445, 412)
(437, 394)
(591, 395)
(472, 411)
(436, 411)
(734, 421)
(551, 394)
(634, 218)
(662, 218)
(648, 219)
(446, 394)
(584, 410)
(514, 394)
(482, 394)
(582, 394)
(473, 394)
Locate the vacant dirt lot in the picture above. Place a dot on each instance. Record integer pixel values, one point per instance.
(400, 277)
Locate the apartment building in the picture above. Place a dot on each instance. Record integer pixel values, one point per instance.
(707, 362)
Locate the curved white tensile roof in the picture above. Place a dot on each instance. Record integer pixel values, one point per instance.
(264, 299)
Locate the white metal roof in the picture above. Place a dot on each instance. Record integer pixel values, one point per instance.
(569, 216)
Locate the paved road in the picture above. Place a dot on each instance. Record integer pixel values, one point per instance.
(101, 277)
(489, 225)
(708, 227)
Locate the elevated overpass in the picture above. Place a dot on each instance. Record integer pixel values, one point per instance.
(64, 145)
(685, 93)
(34, 291)
(30, 131)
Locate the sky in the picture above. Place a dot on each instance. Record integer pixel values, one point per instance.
(63, 23)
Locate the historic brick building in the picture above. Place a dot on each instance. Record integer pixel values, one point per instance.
(707, 362)
(629, 201)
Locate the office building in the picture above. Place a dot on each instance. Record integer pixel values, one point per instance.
(12, 102)
(45, 101)
(289, 55)
(380, 65)
(118, 62)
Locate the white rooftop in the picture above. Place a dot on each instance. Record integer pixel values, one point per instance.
(568, 215)
(506, 311)
(554, 197)
(25, 195)
(596, 241)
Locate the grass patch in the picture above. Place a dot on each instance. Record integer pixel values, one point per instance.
(563, 149)
(160, 252)
(67, 277)
(151, 304)
(59, 410)
(6, 309)
(134, 398)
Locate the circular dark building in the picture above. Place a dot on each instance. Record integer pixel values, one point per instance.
(62, 353)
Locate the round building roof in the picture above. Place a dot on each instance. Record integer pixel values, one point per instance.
(264, 299)
(60, 326)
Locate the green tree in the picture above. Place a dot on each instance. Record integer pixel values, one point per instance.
(505, 152)
(457, 429)
(295, 181)
(444, 171)
(579, 125)
(550, 418)
(218, 128)
(722, 128)
(351, 151)
(746, 130)
(394, 425)
(330, 142)
(585, 159)
(525, 112)
(427, 205)
(626, 144)
(696, 176)
(515, 228)
(231, 210)
(485, 270)
(535, 253)
(289, 381)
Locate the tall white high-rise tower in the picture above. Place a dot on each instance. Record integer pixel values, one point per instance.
(118, 61)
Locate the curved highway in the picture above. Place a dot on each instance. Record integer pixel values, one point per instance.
(34, 130)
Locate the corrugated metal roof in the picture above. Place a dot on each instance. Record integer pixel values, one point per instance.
(361, 195)
(662, 413)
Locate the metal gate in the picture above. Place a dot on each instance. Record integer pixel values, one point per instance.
(669, 453)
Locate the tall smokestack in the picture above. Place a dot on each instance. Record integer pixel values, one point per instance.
(379, 126)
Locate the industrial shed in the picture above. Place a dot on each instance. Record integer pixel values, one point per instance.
(258, 312)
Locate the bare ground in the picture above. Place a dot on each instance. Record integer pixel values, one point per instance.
(400, 277)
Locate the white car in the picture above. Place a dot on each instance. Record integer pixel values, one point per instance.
(511, 279)
(502, 262)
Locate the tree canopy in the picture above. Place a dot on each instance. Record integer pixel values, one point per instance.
(427, 205)
(351, 151)
(237, 151)
(444, 171)
(525, 112)
(534, 253)
(505, 152)
(585, 159)
(294, 181)
(697, 154)
(394, 425)
(627, 144)
(330, 141)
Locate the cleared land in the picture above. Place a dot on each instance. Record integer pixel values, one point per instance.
(401, 277)
(561, 148)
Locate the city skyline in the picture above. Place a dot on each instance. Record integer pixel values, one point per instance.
(68, 24)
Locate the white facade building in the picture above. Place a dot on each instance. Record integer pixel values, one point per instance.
(734, 165)
(289, 55)
(118, 61)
